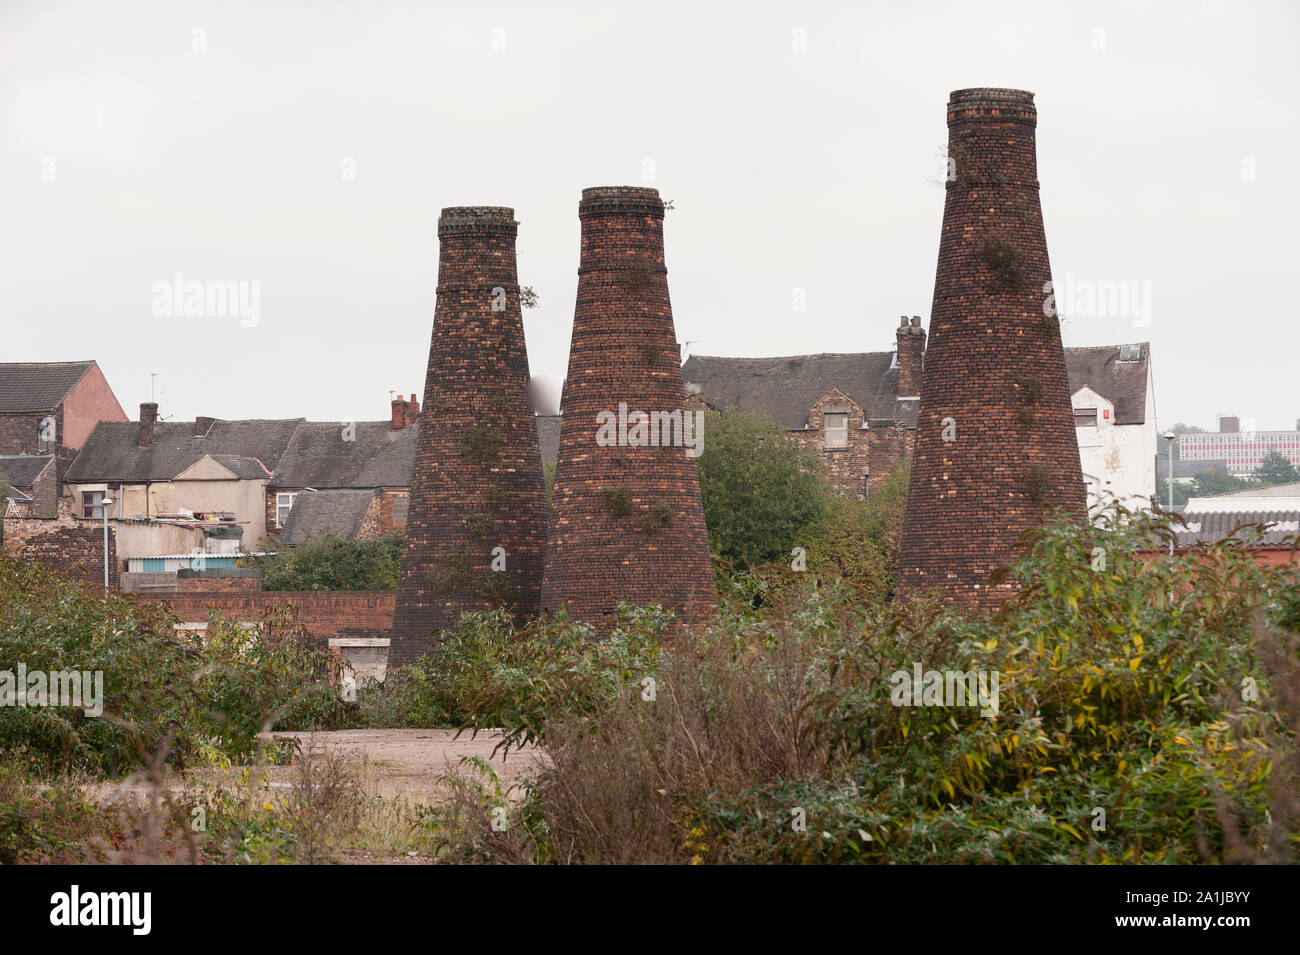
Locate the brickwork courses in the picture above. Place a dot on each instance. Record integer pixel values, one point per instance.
(995, 440)
(477, 481)
(628, 522)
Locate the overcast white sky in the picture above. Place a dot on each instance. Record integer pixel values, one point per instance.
(126, 156)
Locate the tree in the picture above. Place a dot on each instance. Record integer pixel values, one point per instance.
(761, 487)
(1276, 468)
(1218, 481)
(1181, 492)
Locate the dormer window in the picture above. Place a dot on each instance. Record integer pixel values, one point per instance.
(836, 424)
(1085, 417)
(1130, 352)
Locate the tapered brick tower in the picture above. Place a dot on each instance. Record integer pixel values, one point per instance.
(477, 501)
(628, 523)
(995, 443)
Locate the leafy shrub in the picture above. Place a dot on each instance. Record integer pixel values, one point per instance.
(333, 562)
(1120, 694)
(202, 696)
(761, 489)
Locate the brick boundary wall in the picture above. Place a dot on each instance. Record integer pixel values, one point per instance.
(324, 613)
(628, 520)
(995, 440)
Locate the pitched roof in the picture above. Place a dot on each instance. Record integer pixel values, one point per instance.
(785, 388)
(38, 386)
(335, 511)
(112, 452)
(337, 454)
(1209, 527)
(1122, 383)
(22, 470)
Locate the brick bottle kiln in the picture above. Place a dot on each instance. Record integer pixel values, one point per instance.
(995, 442)
(477, 500)
(628, 522)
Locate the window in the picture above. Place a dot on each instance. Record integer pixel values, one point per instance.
(1085, 417)
(866, 485)
(836, 424)
(90, 506)
(1130, 352)
(283, 504)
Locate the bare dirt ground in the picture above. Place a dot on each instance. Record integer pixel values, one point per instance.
(410, 763)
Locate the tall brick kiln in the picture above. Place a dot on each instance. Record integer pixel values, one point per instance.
(477, 482)
(628, 522)
(995, 442)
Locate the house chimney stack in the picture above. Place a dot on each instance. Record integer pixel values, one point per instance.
(911, 355)
(628, 520)
(148, 417)
(202, 425)
(399, 414)
(412, 412)
(476, 522)
(995, 441)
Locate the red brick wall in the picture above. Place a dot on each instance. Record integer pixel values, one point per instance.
(89, 402)
(477, 481)
(69, 544)
(994, 365)
(324, 614)
(624, 349)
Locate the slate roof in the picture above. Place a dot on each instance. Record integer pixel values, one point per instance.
(1123, 383)
(38, 386)
(335, 511)
(22, 470)
(785, 388)
(318, 456)
(1212, 526)
(111, 453)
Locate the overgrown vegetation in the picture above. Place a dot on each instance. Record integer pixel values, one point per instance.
(1147, 712)
(207, 697)
(332, 562)
(762, 489)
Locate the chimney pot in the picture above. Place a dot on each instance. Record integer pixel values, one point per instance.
(148, 417)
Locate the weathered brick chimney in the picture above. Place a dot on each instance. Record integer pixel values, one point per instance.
(202, 425)
(148, 418)
(628, 521)
(412, 412)
(911, 354)
(995, 441)
(475, 528)
(399, 414)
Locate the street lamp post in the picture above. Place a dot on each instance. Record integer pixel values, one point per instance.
(104, 508)
(1170, 436)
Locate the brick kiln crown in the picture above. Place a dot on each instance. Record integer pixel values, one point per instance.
(990, 102)
(620, 200)
(478, 220)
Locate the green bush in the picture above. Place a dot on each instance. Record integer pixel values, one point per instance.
(213, 695)
(332, 562)
(761, 489)
(1124, 731)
